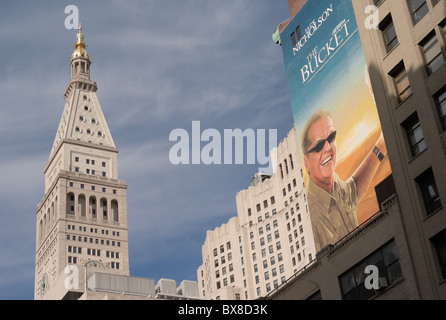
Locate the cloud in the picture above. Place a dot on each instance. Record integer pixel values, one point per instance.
(159, 65)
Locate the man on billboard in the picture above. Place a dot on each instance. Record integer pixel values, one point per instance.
(332, 202)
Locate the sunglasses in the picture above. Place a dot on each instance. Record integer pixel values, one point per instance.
(321, 144)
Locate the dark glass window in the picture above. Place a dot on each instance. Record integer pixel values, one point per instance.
(419, 9)
(429, 191)
(385, 259)
(415, 135)
(388, 29)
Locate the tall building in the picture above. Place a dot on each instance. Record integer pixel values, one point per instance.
(82, 235)
(404, 45)
(268, 241)
(82, 218)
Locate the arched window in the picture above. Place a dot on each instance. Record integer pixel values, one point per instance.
(104, 209)
(115, 210)
(92, 206)
(82, 205)
(56, 210)
(70, 203)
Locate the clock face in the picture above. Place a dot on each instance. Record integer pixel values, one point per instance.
(44, 283)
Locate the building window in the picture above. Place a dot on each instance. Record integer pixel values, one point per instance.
(378, 2)
(388, 29)
(385, 259)
(429, 191)
(432, 53)
(293, 39)
(439, 242)
(440, 100)
(415, 135)
(296, 36)
(418, 9)
(402, 84)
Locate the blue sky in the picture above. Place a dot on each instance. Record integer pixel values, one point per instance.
(159, 65)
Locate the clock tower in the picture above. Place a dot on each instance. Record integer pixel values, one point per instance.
(81, 222)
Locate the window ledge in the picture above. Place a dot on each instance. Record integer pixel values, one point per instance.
(402, 102)
(418, 155)
(395, 283)
(432, 214)
(390, 52)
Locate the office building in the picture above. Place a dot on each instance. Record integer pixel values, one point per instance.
(269, 240)
(81, 222)
(404, 45)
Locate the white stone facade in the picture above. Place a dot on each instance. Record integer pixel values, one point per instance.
(269, 241)
(82, 219)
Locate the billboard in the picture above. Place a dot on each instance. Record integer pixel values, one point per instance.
(343, 152)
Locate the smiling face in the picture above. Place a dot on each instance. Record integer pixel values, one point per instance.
(320, 165)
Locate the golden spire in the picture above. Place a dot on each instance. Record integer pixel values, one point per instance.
(80, 46)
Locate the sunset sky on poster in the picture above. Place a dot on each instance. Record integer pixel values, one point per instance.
(339, 84)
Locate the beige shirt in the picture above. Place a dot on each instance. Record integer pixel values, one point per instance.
(332, 216)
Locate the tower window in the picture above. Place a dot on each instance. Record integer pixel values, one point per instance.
(86, 108)
(432, 53)
(429, 191)
(441, 105)
(402, 84)
(418, 9)
(388, 29)
(415, 135)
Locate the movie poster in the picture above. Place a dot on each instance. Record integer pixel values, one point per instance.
(343, 153)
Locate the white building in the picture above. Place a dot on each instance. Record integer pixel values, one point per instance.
(270, 239)
(81, 222)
